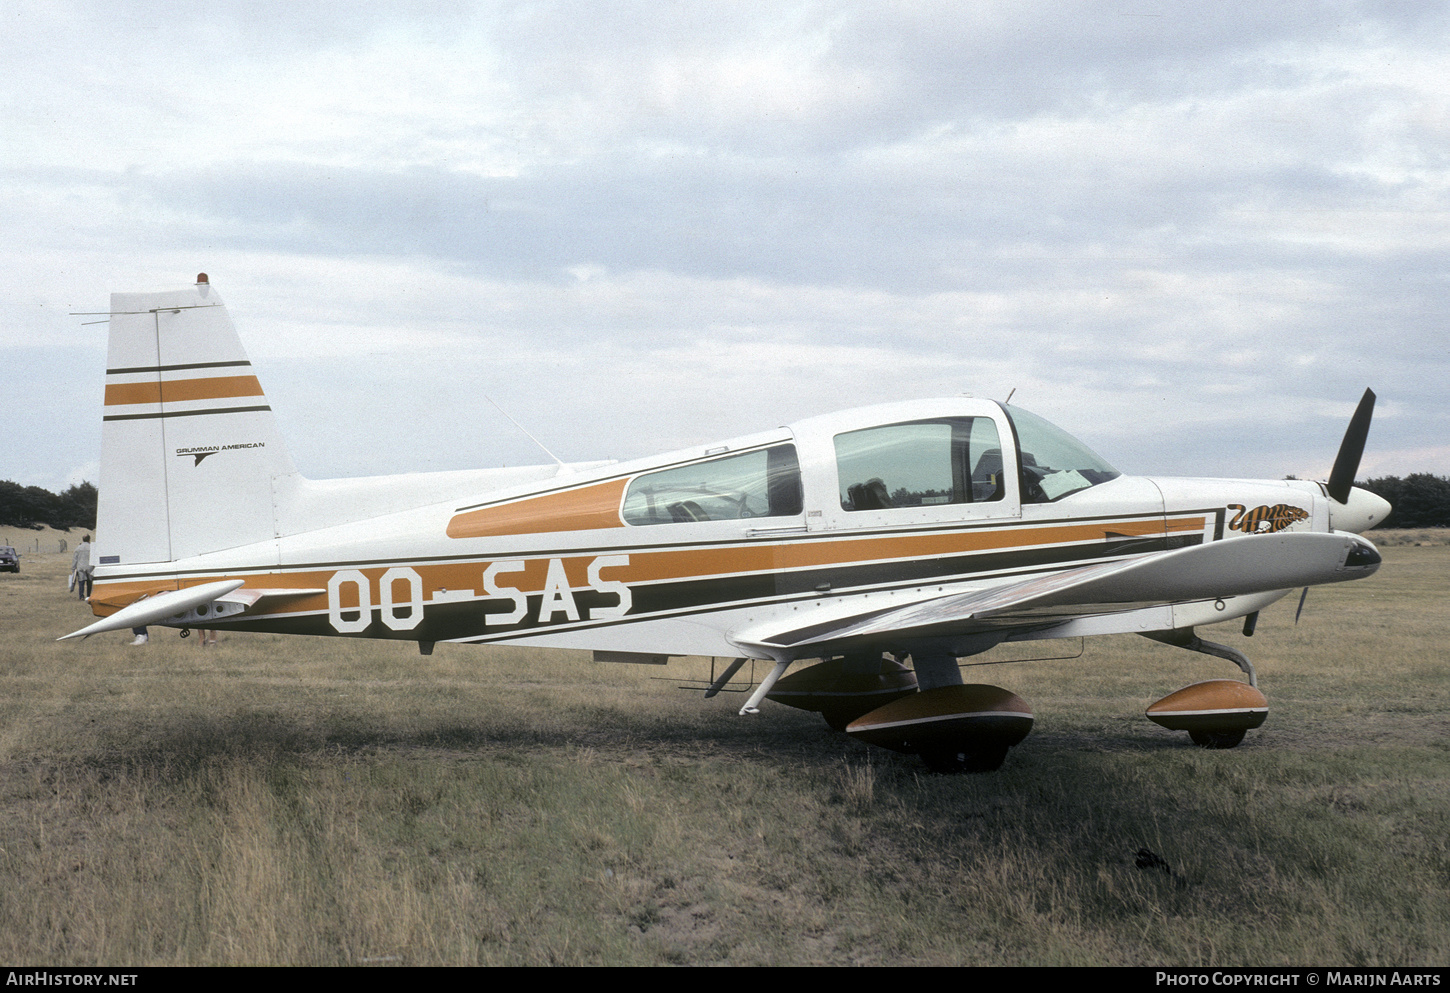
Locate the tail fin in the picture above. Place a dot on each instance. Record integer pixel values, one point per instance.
(190, 453)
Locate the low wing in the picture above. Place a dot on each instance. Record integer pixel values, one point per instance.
(1259, 564)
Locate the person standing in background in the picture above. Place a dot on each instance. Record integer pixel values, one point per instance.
(80, 566)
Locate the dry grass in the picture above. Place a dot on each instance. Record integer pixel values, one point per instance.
(332, 801)
(43, 540)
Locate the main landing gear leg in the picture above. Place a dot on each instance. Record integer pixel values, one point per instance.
(752, 706)
(1217, 712)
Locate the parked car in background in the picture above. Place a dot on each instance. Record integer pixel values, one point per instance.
(9, 559)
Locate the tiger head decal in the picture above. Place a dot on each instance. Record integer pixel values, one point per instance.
(1265, 520)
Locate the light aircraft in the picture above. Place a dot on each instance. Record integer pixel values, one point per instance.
(923, 531)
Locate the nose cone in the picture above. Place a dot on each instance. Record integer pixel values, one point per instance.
(1362, 511)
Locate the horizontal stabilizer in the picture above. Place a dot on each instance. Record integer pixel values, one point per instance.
(153, 609)
(249, 598)
(1203, 572)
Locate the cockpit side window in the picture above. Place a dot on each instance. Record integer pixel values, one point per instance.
(763, 483)
(919, 463)
(1054, 463)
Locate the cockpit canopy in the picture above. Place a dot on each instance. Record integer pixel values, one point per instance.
(958, 460)
(923, 458)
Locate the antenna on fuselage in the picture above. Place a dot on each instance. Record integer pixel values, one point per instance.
(525, 430)
(1009, 396)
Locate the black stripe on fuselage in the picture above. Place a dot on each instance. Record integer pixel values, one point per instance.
(464, 620)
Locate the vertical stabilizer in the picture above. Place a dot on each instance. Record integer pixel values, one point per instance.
(190, 453)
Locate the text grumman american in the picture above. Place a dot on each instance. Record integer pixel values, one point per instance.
(220, 448)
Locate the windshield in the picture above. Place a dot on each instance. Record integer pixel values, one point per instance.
(1054, 463)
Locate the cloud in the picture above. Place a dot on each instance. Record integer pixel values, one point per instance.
(646, 224)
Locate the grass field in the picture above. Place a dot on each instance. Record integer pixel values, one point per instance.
(331, 801)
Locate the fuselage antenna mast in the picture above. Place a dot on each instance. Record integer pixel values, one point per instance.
(525, 430)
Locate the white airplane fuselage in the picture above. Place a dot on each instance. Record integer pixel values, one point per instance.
(545, 557)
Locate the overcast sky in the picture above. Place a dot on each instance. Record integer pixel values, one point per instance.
(1189, 233)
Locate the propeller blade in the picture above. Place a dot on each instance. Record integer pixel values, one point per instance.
(1302, 597)
(1346, 464)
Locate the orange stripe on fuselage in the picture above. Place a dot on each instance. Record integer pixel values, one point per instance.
(585, 509)
(672, 564)
(177, 390)
(690, 563)
(107, 598)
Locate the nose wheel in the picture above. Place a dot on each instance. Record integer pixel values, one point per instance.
(1216, 739)
(979, 758)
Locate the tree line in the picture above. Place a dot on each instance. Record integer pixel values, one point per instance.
(36, 507)
(1420, 500)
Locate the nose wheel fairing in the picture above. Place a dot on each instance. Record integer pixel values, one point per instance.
(1212, 712)
(1216, 713)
